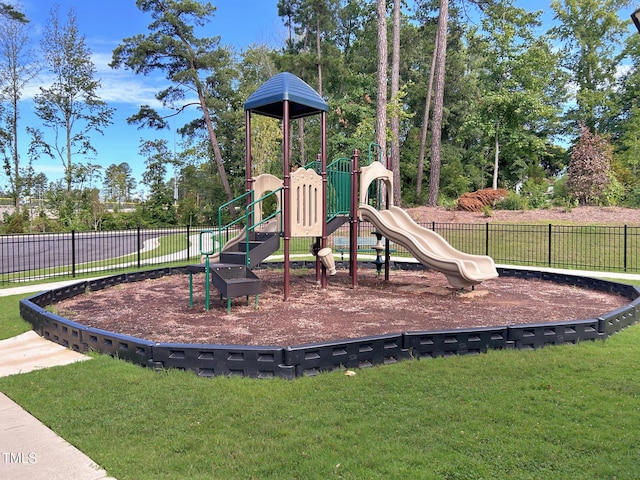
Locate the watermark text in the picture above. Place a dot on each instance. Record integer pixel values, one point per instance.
(13, 458)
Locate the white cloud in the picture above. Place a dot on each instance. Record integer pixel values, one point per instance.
(116, 85)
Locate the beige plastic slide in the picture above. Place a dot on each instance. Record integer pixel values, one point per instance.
(463, 270)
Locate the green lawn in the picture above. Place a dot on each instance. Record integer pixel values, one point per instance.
(559, 412)
(11, 324)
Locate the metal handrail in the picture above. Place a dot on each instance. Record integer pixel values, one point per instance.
(372, 145)
(247, 217)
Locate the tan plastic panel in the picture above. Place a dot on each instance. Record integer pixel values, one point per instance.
(372, 173)
(306, 203)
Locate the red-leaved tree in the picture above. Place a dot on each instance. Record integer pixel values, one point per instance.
(589, 172)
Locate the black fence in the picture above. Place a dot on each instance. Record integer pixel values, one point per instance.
(36, 256)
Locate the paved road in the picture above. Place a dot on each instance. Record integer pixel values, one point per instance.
(29, 252)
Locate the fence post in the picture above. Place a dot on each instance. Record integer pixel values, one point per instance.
(189, 246)
(486, 238)
(73, 253)
(139, 245)
(625, 248)
(549, 252)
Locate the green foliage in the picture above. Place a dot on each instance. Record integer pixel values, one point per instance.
(70, 107)
(15, 222)
(591, 32)
(512, 201)
(506, 86)
(535, 193)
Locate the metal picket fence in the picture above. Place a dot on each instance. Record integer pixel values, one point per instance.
(33, 257)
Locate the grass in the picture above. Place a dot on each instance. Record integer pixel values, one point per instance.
(558, 412)
(566, 412)
(579, 247)
(11, 324)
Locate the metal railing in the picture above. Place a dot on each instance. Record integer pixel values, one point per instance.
(33, 257)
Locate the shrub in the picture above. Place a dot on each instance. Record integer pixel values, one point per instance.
(512, 201)
(535, 193)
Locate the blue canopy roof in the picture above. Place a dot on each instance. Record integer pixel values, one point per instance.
(269, 98)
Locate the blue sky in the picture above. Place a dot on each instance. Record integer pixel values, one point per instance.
(104, 23)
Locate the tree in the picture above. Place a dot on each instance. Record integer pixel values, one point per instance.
(521, 88)
(70, 106)
(395, 98)
(592, 32)
(309, 52)
(589, 171)
(10, 12)
(172, 47)
(314, 23)
(381, 104)
(425, 126)
(158, 209)
(119, 183)
(17, 68)
(438, 106)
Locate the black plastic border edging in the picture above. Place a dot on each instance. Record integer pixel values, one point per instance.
(310, 359)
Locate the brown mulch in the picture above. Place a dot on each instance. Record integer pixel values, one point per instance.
(578, 215)
(159, 310)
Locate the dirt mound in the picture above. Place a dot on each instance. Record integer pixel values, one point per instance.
(476, 201)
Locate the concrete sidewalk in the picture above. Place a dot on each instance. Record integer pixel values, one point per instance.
(28, 449)
(31, 451)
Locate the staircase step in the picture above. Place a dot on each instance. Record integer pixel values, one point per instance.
(237, 258)
(235, 280)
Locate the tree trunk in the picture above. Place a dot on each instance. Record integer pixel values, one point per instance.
(496, 158)
(216, 148)
(438, 107)
(319, 52)
(303, 153)
(16, 157)
(68, 166)
(395, 118)
(381, 105)
(425, 126)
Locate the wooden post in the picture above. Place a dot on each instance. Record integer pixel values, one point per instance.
(353, 227)
(323, 173)
(286, 208)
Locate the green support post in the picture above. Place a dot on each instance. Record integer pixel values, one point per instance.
(206, 253)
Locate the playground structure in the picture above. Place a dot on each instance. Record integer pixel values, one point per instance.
(310, 202)
(315, 200)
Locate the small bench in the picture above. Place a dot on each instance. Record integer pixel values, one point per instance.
(365, 244)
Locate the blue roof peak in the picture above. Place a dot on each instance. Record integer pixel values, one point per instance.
(269, 98)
